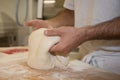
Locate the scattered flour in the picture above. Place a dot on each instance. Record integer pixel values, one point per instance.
(78, 65)
(59, 76)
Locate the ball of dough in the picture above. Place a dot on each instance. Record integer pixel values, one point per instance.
(39, 56)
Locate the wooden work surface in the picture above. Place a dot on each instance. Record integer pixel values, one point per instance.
(14, 67)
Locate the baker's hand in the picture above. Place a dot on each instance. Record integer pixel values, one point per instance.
(36, 24)
(70, 39)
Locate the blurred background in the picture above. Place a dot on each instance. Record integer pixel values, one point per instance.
(13, 14)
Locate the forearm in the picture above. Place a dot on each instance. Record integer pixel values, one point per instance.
(109, 30)
(63, 18)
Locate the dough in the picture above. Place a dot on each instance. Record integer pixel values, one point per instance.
(39, 56)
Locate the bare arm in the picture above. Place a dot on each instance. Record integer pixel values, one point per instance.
(73, 37)
(107, 30)
(63, 18)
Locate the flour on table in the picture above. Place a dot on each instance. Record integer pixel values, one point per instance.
(15, 67)
(78, 65)
(59, 76)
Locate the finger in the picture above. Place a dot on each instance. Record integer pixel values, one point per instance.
(58, 50)
(52, 32)
(54, 50)
(31, 23)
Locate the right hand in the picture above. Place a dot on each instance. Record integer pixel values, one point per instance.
(70, 38)
(36, 24)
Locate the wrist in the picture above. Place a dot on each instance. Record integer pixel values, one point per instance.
(51, 23)
(87, 33)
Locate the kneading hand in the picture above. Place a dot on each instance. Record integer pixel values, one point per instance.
(70, 38)
(36, 24)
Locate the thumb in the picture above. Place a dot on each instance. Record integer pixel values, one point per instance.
(52, 32)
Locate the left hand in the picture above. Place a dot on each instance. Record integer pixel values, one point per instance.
(70, 39)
